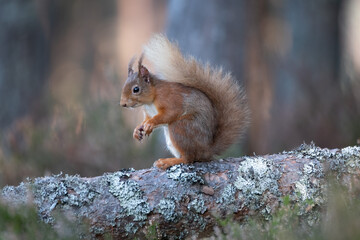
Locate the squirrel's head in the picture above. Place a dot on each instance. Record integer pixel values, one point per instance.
(138, 88)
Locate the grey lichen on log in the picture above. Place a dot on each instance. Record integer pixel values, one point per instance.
(187, 200)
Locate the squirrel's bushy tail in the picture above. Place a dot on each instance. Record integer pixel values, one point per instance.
(225, 93)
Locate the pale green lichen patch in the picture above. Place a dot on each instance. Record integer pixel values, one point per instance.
(257, 182)
(67, 191)
(197, 205)
(131, 228)
(352, 155)
(166, 208)
(130, 196)
(184, 173)
(313, 152)
(79, 191)
(257, 175)
(349, 152)
(124, 173)
(196, 220)
(309, 185)
(341, 160)
(48, 192)
(311, 189)
(97, 230)
(227, 198)
(15, 195)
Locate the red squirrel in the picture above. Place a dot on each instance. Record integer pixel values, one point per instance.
(202, 110)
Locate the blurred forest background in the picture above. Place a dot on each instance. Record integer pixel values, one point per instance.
(63, 63)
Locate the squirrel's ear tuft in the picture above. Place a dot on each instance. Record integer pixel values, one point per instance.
(143, 71)
(140, 61)
(144, 74)
(131, 63)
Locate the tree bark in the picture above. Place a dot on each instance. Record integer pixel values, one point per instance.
(187, 200)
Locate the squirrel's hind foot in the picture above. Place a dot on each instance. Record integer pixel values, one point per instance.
(164, 163)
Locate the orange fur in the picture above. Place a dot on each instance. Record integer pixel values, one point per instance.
(203, 110)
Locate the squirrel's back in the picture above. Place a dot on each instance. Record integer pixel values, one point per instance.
(228, 98)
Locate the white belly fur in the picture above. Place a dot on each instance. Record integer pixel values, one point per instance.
(169, 143)
(152, 111)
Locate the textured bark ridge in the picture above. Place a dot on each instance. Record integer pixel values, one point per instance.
(188, 200)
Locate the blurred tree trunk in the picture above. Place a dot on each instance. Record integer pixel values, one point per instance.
(57, 73)
(306, 76)
(350, 67)
(286, 53)
(32, 35)
(24, 59)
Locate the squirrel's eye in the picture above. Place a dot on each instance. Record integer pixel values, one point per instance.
(136, 89)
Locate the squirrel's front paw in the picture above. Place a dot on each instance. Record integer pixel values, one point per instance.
(138, 132)
(148, 127)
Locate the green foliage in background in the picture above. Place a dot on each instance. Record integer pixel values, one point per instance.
(24, 223)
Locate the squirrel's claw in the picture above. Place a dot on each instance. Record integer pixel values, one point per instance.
(144, 129)
(138, 133)
(148, 128)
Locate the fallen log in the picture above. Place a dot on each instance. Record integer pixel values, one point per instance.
(187, 200)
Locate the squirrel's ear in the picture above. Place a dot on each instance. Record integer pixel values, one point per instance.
(144, 74)
(143, 71)
(131, 63)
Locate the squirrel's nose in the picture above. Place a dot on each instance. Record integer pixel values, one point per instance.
(122, 103)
